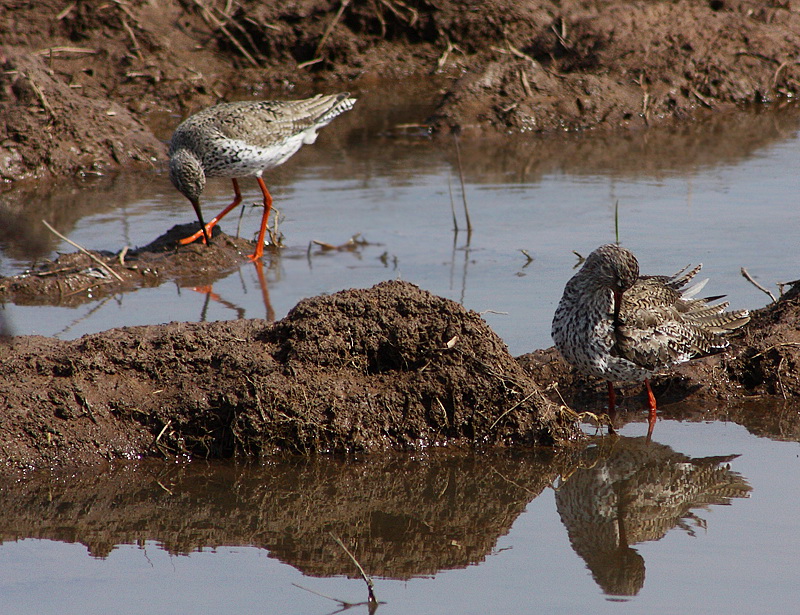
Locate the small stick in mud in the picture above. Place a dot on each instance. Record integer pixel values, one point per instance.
(85, 251)
(330, 27)
(750, 279)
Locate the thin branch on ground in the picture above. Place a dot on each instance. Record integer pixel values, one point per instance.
(85, 251)
(330, 27)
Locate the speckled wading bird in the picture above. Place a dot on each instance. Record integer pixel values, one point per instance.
(619, 326)
(243, 139)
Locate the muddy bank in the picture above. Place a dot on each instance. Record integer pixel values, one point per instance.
(392, 367)
(79, 81)
(76, 278)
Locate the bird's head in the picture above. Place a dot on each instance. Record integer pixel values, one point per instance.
(186, 174)
(614, 267)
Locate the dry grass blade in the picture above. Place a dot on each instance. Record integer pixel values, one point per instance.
(463, 190)
(85, 251)
(330, 27)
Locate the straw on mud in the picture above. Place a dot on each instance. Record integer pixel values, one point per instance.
(85, 251)
(330, 27)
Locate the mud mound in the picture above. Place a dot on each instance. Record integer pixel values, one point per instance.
(388, 367)
(76, 278)
(769, 362)
(81, 77)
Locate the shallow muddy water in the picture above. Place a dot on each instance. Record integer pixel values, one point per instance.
(621, 527)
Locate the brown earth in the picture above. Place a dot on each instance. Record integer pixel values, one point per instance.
(389, 367)
(79, 80)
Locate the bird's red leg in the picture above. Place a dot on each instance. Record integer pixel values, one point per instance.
(205, 229)
(651, 404)
(612, 410)
(264, 219)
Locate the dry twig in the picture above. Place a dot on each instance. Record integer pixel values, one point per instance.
(750, 279)
(330, 27)
(85, 251)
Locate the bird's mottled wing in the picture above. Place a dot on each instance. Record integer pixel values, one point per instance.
(265, 123)
(659, 325)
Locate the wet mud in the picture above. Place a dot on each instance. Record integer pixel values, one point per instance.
(79, 82)
(391, 367)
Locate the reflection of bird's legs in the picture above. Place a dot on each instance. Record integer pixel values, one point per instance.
(262, 281)
(612, 409)
(205, 229)
(651, 404)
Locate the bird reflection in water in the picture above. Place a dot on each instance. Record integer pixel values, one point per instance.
(208, 290)
(632, 491)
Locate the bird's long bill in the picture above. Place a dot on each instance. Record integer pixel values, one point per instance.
(617, 304)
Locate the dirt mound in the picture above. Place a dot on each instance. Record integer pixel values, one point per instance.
(76, 278)
(77, 80)
(388, 367)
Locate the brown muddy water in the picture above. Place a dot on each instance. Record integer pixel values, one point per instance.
(703, 520)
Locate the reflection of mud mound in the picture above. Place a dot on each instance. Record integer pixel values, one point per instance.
(631, 491)
(402, 516)
(392, 366)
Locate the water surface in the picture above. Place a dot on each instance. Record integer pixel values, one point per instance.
(722, 192)
(681, 525)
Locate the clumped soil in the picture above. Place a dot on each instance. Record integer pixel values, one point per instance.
(78, 81)
(391, 367)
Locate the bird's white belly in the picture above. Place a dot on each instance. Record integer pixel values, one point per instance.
(240, 159)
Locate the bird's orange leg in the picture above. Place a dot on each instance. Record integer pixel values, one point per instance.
(205, 230)
(264, 219)
(651, 404)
